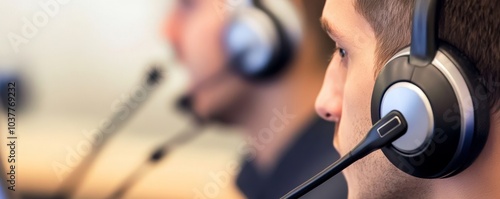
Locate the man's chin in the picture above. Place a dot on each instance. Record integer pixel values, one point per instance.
(215, 116)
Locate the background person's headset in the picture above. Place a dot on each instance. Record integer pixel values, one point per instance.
(429, 109)
(261, 37)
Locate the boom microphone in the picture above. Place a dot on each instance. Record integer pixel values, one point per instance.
(163, 150)
(117, 120)
(156, 156)
(185, 105)
(384, 132)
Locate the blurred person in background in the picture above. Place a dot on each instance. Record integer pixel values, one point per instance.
(286, 142)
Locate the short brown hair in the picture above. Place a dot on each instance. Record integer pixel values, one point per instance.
(473, 26)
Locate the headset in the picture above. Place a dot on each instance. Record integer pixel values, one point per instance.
(429, 108)
(439, 92)
(261, 37)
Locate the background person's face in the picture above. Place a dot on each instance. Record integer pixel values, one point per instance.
(195, 30)
(345, 98)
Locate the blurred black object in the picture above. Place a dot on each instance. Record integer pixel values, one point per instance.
(5, 80)
(185, 105)
(161, 152)
(117, 120)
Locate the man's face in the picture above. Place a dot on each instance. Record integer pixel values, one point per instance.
(346, 96)
(195, 30)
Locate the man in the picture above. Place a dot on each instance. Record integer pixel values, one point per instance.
(367, 33)
(298, 146)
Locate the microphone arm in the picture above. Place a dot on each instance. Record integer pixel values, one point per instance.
(161, 152)
(384, 132)
(117, 120)
(185, 105)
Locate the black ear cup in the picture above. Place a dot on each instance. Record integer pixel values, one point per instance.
(260, 40)
(446, 108)
(252, 42)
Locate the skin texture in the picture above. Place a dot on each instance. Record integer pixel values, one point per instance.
(345, 98)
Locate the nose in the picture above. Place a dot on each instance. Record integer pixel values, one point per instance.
(328, 106)
(330, 99)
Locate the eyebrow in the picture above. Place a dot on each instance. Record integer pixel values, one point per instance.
(330, 29)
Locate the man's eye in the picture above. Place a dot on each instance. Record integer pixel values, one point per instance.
(342, 52)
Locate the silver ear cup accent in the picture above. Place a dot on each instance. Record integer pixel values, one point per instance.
(466, 107)
(465, 103)
(412, 102)
(251, 40)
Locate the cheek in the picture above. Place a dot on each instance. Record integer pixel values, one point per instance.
(202, 46)
(356, 112)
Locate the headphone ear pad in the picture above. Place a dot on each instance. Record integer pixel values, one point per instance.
(262, 38)
(479, 96)
(251, 42)
(456, 118)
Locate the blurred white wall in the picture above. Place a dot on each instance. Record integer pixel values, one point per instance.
(75, 66)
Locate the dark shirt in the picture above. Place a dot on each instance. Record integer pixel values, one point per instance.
(311, 152)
